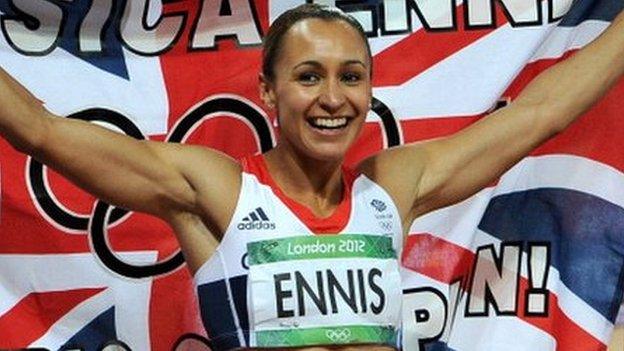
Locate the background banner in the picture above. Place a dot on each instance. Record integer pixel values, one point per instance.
(533, 262)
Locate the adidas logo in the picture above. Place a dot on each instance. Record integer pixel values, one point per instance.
(257, 220)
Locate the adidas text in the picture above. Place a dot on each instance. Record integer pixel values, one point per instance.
(256, 225)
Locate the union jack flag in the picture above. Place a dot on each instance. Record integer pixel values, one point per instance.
(533, 262)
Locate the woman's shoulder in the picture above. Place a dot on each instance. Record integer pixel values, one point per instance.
(398, 171)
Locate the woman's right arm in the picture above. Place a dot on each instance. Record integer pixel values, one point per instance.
(162, 179)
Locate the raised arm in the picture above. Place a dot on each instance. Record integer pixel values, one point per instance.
(429, 175)
(162, 179)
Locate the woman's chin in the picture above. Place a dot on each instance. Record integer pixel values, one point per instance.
(328, 153)
(330, 149)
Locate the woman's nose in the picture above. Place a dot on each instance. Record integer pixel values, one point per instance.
(332, 96)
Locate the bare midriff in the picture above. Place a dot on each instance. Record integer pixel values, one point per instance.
(328, 348)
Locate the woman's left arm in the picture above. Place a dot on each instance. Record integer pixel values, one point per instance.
(425, 176)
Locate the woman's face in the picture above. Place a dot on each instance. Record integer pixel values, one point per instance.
(321, 88)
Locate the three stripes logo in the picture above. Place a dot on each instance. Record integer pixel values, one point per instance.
(257, 220)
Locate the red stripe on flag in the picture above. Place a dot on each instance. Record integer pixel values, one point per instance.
(35, 314)
(437, 258)
(173, 309)
(447, 262)
(568, 334)
(424, 129)
(440, 45)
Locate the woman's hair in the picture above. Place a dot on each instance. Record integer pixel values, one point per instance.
(274, 39)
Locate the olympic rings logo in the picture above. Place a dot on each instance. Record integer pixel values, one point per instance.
(103, 216)
(339, 336)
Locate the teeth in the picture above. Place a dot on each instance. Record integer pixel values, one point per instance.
(330, 122)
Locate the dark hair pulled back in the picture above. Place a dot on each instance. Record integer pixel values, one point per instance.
(273, 40)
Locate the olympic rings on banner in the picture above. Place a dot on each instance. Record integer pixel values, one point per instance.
(105, 215)
(216, 106)
(46, 202)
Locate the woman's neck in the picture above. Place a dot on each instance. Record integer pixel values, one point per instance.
(318, 184)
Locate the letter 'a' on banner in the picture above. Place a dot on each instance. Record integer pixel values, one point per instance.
(542, 247)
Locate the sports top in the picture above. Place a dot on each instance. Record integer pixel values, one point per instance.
(283, 277)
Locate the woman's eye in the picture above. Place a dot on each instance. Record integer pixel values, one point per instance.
(351, 78)
(309, 78)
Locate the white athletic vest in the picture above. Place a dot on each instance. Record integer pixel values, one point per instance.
(305, 280)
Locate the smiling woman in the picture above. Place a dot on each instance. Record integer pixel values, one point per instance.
(321, 91)
(320, 242)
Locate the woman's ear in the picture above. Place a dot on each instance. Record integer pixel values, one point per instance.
(267, 93)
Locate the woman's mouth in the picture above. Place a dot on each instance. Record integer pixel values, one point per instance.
(328, 123)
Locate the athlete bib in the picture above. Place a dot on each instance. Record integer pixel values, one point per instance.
(324, 290)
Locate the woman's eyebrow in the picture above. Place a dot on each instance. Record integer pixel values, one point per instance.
(354, 62)
(317, 64)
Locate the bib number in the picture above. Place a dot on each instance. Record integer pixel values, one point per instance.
(339, 289)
